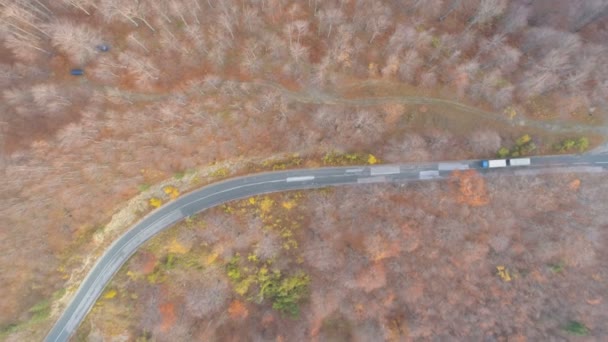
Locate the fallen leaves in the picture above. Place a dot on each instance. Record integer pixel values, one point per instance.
(470, 188)
(167, 311)
(238, 310)
(574, 185)
(176, 247)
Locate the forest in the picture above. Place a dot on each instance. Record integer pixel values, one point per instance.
(518, 258)
(182, 93)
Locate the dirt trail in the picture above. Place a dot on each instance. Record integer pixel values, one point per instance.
(316, 96)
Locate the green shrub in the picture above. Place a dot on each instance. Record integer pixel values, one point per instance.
(576, 328)
(570, 144)
(523, 146)
(557, 267)
(503, 152)
(259, 284)
(524, 139)
(232, 268)
(289, 293)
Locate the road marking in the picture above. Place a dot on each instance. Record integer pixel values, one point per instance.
(579, 163)
(384, 170)
(571, 169)
(98, 281)
(299, 179)
(452, 166)
(430, 174)
(365, 180)
(354, 170)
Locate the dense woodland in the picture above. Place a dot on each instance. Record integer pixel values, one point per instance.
(187, 83)
(517, 258)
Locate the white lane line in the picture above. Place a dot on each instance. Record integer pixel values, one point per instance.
(430, 174)
(299, 179)
(452, 166)
(366, 180)
(601, 162)
(354, 170)
(114, 265)
(384, 170)
(570, 169)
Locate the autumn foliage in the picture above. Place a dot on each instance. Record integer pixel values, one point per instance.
(238, 310)
(167, 311)
(469, 187)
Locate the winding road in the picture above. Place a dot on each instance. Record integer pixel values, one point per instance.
(215, 194)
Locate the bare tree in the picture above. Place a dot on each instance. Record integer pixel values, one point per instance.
(428, 79)
(83, 5)
(209, 296)
(515, 19)
(298, 52)
(77, 41)
(586, 12)
(409, 66)
(487, 11)
(328, 18)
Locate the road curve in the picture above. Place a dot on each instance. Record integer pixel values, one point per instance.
(218, 193)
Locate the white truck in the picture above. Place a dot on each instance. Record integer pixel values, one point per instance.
(519, 162)
(489, 164)
(495, 163)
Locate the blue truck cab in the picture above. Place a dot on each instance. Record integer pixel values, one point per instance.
(485, 164)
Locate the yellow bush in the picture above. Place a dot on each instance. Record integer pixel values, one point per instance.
(110, 294)
(266, 205)
(503, 273)
(289, 205)
(210, 259)
(155, 202)
(371, 160)
(171, 191)
(176, 247)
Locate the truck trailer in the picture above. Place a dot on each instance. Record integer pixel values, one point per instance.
(489, 164)
(494, 163)
(519, 162)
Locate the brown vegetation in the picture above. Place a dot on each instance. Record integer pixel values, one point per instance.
(515, 267)
(471, 187)
(189, 83)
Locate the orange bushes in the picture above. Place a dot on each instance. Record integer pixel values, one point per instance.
(167, 311)
(470, 188)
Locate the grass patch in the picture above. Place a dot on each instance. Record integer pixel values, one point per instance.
(557, 267)
(576, 328)
(355, 158)
(40, 311)
(143, 187)
(282, 164)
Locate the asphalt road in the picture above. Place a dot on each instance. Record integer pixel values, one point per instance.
(215, 194)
